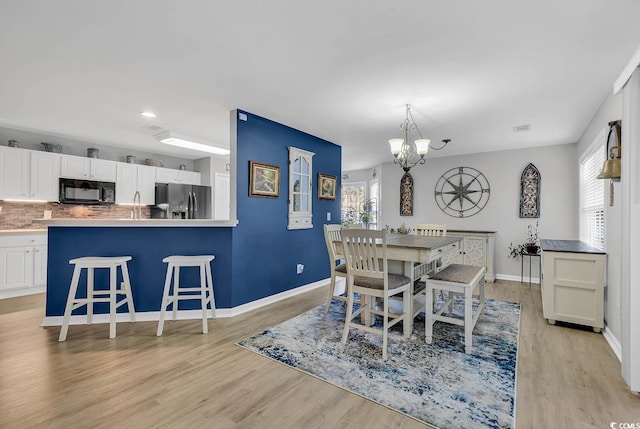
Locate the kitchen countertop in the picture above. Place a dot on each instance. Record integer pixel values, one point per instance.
(137, 223)
(573, 246)
(22, 231)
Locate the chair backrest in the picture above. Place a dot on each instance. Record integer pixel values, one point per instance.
(431, 229)
(354, 226)
(332, 233)
(363, 257)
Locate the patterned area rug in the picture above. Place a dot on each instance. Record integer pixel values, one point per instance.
(437, 384)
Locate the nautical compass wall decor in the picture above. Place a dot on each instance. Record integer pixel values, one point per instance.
(462, 192)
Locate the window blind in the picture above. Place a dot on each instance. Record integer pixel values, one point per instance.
(592, 196)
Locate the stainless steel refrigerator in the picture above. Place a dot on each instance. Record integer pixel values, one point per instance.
(176, 201)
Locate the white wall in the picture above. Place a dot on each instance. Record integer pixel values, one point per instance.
(559, 197)
(610, 110)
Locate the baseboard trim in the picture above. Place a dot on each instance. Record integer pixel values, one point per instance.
(517, 278)
(613, 342)
(154, 316)
(22, 292)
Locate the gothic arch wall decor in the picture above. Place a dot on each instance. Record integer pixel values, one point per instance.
(406, 195)
(530, 192)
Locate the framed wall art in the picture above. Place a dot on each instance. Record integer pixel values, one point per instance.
(264, 180)
(326, 187)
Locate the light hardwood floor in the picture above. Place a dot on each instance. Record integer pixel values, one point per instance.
(567, 377)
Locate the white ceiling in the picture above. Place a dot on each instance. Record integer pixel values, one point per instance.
(340, 70)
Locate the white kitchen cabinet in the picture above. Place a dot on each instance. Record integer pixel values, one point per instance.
(131, 178)
(14, 177)
(45, 172)
(23, 260)
(29, 175)
(477, 249)
(78, 167)
(169, 175)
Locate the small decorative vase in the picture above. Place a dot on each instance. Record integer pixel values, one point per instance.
(532, 249)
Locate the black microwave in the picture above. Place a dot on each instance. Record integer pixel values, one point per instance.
(78, 191)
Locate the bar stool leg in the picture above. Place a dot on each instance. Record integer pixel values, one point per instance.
(90, 285)
(165, 298)
(176, 286)
(203, 299)
(211, 296)
(126, 286)
(113, 280)
(67, 310)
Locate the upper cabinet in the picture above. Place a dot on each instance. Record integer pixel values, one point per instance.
(300, 186)
(77, 167)
(168, 175)
(133, 178)
(29, 175)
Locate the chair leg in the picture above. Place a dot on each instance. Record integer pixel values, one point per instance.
(203, 299)
(408, 310)
(428, 315)
(385, 327)
(332, 288)
(90, 290)
(165, 298)
(126, 286)
(67, 310)
(212, 299)
(113, 280)
(347, 319)
(176, 285)
(468, 319)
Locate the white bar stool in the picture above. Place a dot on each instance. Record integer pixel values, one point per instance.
(206, 285)
(91, 263)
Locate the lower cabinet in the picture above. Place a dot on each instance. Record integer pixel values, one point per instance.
(477, 249)
(573, 287)
(23, 261)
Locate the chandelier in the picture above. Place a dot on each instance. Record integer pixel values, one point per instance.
(408, 154)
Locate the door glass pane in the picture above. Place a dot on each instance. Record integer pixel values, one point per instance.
(305, 184)
(305, 202)
(305, 166)
(296, 165)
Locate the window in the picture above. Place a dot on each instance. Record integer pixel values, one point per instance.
(592, 218)
(352, 202)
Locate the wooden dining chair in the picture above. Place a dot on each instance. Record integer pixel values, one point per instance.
(365, 253)
(432, 229)
(332, 234)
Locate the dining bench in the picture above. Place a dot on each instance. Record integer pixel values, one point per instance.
(457, 279)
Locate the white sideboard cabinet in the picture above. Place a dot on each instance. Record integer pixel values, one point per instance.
(573, 279)
(477, 249)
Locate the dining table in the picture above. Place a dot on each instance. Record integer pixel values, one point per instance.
(415, 256)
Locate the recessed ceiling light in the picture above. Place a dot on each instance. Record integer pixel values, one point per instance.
(148, 114)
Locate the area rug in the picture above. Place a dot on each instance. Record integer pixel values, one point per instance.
(437, 384)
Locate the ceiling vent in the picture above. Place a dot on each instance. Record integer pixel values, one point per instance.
(522, 128)
(154, 128)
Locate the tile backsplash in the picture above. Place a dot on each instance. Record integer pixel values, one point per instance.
(20, 215)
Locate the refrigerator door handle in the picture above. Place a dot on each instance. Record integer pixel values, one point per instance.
(194, 206)
(190, 206)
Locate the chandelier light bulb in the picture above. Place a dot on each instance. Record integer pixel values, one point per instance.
(396, 146)
(422, 146)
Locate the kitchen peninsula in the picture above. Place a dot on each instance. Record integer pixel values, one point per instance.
(147, 241)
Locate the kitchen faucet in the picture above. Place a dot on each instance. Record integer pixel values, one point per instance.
(137, 210)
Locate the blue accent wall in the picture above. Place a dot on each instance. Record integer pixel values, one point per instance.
(265, 252)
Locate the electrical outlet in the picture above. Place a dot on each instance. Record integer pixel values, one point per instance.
(328, 216)
(299, 268)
